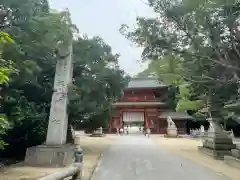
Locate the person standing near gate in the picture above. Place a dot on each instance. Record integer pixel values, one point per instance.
(127, 131)
(121, 131)
(148, 131)
(117, 131)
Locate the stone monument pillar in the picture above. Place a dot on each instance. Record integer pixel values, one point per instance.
(216, 143)
(56, 152)
(58, 119)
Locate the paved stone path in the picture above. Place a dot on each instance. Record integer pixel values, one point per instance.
(139, 158)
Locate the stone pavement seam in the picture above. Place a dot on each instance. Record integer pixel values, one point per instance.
(137, 158)
(96, 167)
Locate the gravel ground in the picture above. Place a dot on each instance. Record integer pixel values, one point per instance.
(140, 158)
(92, 149)
(188, 149)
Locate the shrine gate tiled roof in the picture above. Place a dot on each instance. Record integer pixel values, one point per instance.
(175, 115)
(145, 83)
(137, 103)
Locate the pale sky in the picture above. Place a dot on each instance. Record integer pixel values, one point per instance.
(104, 18)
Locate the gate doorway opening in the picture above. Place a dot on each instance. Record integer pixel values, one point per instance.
(133, 122)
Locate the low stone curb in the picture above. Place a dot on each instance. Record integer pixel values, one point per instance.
(74, 171)
(95, 169)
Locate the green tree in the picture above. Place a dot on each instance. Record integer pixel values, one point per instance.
(169, 70)
(5, 70)
(98, 81)
(205, 36)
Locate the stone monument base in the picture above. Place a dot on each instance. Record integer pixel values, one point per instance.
(216, 154)
(217, 145)
(203, 135)
(171, 132)
(171, 136)
(233, 159)
(97, 135)
(50, 155)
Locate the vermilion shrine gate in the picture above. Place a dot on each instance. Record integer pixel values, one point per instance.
(144, 101)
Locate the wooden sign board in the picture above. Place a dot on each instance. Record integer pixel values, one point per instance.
(151, 110)
(152, 114)
(133, 110)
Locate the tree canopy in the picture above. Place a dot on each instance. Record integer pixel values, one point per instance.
(193, 45)
(30, 32)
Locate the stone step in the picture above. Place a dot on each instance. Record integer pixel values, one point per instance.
(232, 161)
(238, 145)
(218, 146)
(216, 154)
(236, 153)
(219, 140)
